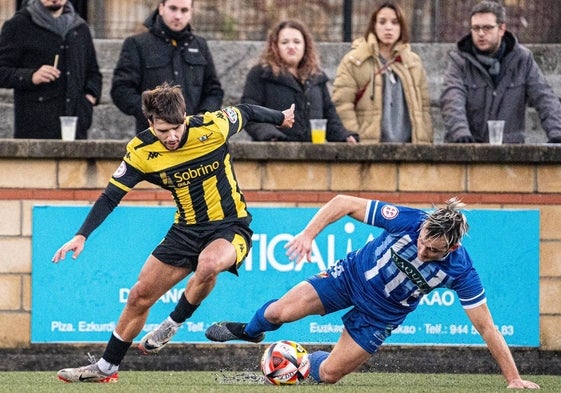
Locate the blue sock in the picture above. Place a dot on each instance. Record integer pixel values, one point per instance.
(259, 324)
(316, 359)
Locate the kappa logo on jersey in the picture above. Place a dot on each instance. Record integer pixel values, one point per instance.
(205, 137)
(230, 114)
(410, 271)
(389, 212)
(153, 154)
(121, 170)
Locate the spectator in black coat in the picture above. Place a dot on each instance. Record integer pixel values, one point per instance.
(47, 56)
(167, 52)
(289, 72)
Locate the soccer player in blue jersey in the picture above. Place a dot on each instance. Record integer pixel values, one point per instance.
(188, 156)
(381, 283)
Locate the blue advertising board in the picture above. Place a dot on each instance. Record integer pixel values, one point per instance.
(79, 301)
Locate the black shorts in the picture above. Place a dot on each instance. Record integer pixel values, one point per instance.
(183, 243)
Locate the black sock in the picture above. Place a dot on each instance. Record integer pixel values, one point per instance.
(183, 310)
(115, 350)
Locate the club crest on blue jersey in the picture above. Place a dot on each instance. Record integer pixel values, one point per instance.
(389, 212)
(230, 114)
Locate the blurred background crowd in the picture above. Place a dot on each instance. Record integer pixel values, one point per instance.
(533, 21)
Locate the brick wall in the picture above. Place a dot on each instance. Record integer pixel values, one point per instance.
(485, 177)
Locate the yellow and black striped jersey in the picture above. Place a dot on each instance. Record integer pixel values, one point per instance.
(199, 174)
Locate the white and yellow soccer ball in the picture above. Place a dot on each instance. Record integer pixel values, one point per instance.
(285, 363)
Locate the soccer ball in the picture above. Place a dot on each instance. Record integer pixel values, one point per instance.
(285, 363)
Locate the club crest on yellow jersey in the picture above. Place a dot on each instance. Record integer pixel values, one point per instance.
(230, 114)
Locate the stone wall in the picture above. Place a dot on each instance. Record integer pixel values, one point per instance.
(484, 176)
(234, 58)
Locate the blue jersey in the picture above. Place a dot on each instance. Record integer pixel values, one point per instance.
(384, 280)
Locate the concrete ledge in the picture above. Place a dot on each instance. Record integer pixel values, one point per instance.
(297, 151)
(216, 357)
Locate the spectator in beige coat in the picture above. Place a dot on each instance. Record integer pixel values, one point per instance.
(381, 86)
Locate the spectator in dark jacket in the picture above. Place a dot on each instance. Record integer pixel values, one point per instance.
(289, 72)
(47, 56)
(167, 52)
(491, 76)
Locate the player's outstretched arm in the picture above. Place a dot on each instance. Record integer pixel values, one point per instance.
(288, 121)
(261, 114)
(481, 318)
(76, 245)
(341, 205)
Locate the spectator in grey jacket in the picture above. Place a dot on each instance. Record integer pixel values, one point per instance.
(167, 52)
(491, 76)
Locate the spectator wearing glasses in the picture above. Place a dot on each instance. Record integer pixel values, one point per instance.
(490, 76)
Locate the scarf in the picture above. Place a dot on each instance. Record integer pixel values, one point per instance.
(492, 63)
(177, 36)
(41, 16)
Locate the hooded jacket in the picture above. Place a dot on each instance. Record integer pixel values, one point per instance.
(358, 69)
(469, 98)
(156, 56)
(24, 48)
(311, 99)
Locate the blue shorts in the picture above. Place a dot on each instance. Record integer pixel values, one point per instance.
(332, 289)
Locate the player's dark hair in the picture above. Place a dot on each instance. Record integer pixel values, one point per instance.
(490, 7)
(404, 37)
(309, 65)
(164, 102)
(448, 222)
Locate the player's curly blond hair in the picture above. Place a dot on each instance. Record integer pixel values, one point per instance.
(448, 222)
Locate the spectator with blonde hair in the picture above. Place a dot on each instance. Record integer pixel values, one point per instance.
(289, 72)
(381, 87)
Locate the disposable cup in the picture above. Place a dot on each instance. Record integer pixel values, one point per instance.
(318, 130)
(68, 127)
(496, 129)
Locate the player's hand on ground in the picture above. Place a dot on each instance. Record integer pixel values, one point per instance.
(288, 121)
(299, 247)
(522, 384)
(45, 74)
(76, 245)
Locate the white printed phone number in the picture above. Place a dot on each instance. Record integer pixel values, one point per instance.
(505, 330)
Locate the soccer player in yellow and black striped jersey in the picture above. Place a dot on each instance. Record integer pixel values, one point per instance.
(189, 156)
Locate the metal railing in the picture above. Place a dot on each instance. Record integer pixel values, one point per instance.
(535, 21)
